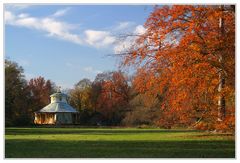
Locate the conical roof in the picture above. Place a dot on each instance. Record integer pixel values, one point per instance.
(58, 104)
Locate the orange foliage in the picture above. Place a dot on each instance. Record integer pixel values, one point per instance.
(178, 56)
(40, 90)
(114, 96)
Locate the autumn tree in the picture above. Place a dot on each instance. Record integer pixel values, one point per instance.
(112, 100)
(186, 54)
(40, 91)
(79, 96)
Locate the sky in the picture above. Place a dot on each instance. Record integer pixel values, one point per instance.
(66, 43)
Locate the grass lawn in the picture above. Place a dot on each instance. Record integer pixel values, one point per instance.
(116, 143)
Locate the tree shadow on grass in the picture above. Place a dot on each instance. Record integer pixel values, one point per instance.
(16, 148)
(42, 131)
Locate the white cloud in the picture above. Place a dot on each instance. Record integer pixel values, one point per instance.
(90, 69)
(9, 17)
(99, 38)
(123, 45)
(123, 25)
(60, 12)
(139, 30)
(126, 43)
(55, 28)
(28, 22)
(60, 30)
(23, 15)
(64, 31)
(17, 6)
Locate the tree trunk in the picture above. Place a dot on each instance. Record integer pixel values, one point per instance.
(221, 99)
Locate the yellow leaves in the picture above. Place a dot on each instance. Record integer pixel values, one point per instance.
(195, 47)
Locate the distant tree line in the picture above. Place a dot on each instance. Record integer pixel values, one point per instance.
(112, 99)
(108, 100)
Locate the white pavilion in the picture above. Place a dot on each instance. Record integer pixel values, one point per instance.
(57, 112)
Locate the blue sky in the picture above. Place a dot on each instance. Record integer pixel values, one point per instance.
(66, 43)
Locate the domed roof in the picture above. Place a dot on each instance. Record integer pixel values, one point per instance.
(58, 107)
(58, 104)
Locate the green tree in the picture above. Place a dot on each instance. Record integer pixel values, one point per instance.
(16, 95)
(80, 98)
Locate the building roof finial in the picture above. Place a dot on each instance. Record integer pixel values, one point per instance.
(59, 89)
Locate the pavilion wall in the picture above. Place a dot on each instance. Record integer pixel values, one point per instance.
(44, 118)
(56, 118)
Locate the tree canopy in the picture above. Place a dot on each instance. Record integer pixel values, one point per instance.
(185, 54)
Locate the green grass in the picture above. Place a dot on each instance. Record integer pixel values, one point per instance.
(116, 143)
